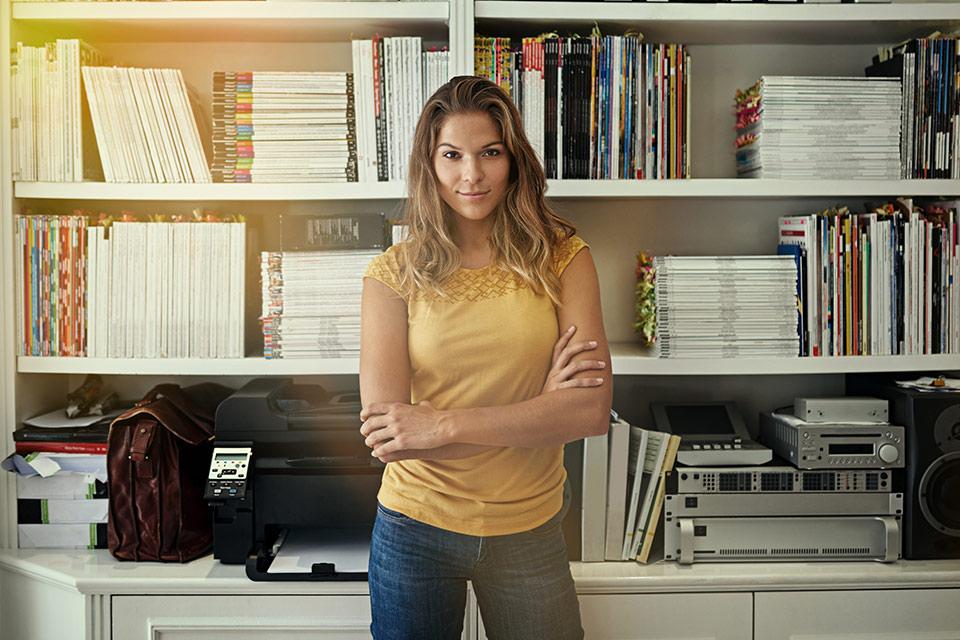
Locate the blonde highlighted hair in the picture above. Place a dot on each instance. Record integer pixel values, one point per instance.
(526, 231)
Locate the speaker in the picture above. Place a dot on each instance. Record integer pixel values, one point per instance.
(931, 503)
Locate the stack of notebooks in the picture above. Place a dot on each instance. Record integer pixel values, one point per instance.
(717, 307)
(624, 475)
(292, 126)
(61, 481)
(163, 289)
(813, 127)
(602, 107)
(145, 125)
(49, 117)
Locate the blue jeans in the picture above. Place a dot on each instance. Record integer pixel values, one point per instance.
(418, 581)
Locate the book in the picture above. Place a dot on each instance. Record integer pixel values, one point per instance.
(618, 457)
(656, 510)
(594, 507)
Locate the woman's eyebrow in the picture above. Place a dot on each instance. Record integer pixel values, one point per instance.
(489, 144)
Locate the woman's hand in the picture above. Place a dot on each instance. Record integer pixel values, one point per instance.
(391, 427)
(562, 370)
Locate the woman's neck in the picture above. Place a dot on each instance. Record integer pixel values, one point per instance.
(473, 240)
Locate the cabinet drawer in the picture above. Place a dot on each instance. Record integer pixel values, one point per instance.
(700, 616)
(904, 614)
(241, 617)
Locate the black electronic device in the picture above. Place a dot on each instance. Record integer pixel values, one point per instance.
(931, 518)
(711, 433)
(290, 465)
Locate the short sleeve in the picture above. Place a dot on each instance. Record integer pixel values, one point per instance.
(385, 268)
(568, 248)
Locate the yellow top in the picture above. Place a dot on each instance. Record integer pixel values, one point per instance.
(489, 344)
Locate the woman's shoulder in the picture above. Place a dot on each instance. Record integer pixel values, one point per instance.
(566, 249)
(386, 267)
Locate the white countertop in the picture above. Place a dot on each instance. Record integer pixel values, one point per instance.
(97, 572)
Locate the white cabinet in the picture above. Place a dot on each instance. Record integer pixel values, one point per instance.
(665, 616)
(897, 614)
(248, 617)
(242, 617)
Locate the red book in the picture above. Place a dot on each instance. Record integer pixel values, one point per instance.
(24, 448)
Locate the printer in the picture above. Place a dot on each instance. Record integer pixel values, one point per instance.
(292, 486)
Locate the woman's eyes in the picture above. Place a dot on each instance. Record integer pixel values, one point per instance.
(487, 153)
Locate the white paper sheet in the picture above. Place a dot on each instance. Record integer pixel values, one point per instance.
(57, 419)
(347, 549)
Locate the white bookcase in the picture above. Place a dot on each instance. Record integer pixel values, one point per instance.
(714, 213)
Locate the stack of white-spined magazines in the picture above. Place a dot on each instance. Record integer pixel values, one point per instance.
(716, 306)
(812, 127)
(311, 302)
(145, 126)
(284, 126)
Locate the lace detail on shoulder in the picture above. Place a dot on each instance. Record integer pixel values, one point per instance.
(566, 251)
(386, 269)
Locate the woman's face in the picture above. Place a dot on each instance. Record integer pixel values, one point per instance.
(472, 165)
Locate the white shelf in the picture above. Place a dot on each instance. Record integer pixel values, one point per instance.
(738, 23)
(632, 359)
(694, 188)
(211, 191)
(220, 21)
(190, 366)
(627, 359)
(748, 188)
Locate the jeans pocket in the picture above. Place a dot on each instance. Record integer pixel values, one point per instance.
(396, 516)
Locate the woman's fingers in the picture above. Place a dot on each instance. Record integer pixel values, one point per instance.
(573, 350)
(562, 342)
(581, 365)
(580, 382)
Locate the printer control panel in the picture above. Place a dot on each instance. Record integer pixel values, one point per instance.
(227, 478)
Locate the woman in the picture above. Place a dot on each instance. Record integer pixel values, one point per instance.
(471, 385)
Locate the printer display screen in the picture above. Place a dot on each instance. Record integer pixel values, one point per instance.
(231, 456)
(699, 420)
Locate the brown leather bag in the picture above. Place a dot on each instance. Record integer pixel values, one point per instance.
(158, 456)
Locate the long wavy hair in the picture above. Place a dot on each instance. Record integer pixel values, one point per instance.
(526, 231)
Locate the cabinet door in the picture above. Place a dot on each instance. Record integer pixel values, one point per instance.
(241, 617)
(693, 616)
(245, 617)
(906, 614)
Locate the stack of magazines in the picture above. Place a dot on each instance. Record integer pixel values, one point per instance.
(311, 302)
(811, 127)
(311, 287)
(291, 126)
(716, 307)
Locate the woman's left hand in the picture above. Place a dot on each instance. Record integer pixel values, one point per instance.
(389, 427)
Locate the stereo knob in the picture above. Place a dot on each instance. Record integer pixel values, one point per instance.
(888, 453)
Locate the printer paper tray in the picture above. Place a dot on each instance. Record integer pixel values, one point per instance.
(312, 555)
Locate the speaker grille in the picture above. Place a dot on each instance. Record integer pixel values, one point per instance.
(744, 552)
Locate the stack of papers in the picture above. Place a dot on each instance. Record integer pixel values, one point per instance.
(311, 302)
(811, 127)
(716, 307)
(284, 127)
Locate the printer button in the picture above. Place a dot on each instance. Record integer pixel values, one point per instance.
(696, 447)
(726, 446)
(738, 446)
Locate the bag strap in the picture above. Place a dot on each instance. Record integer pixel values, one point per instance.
(140, 444)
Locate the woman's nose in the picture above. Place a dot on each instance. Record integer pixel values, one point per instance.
(472, 172)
